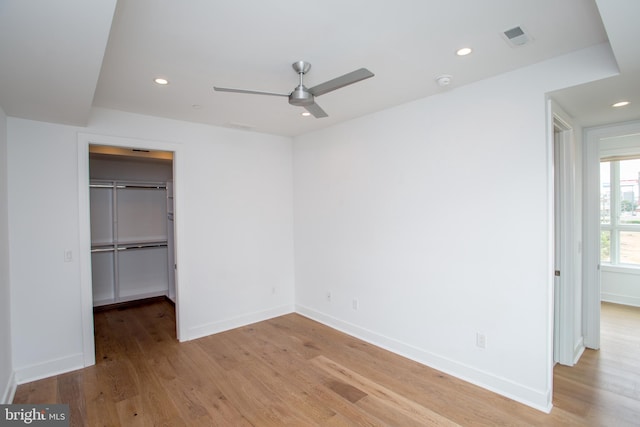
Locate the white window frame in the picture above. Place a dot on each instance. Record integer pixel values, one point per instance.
(614, 227)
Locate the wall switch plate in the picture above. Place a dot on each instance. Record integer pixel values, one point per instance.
(328, 296)
(68, 255)
(355, 304)
(481, 340)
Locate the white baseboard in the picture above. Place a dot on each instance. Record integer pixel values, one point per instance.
(9, 390)
(235, 322)
(49, 368)
(578, 349)
(537, 399)
(620, 299)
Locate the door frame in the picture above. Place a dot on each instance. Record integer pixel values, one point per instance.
(591, 225)
(84, 228)
(567, 346)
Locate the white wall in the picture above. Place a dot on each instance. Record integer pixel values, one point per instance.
(6, 367)
(43, 218)
(436, 216)
(620, 285)
(235, 243)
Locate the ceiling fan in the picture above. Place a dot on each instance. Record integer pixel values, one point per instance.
(303, 97)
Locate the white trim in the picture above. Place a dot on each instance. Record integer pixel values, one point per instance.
(578, 350)
(620, 299)
(567, 282)
(550, 282)
(537, 399)
(236, 322)
(591, 225)
(110, 301)
(9, 390)
(50, 368)
(84, 256)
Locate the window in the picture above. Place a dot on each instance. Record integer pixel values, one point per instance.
(620, 212)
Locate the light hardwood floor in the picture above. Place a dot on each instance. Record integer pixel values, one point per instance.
(293, 371)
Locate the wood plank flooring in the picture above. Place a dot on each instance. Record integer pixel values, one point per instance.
(293, 371)
(603, 389)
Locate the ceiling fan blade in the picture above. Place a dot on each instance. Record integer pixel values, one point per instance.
(251, 92)
(317, 112)
(342, 81)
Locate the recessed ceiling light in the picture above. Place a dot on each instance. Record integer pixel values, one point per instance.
(464, 51)
(161, 81)
(306, 114)
(621, 104)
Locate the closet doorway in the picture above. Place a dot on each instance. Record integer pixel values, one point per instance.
(132, 225)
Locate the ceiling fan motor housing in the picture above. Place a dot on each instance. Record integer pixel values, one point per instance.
(301, 67)
(301, 97)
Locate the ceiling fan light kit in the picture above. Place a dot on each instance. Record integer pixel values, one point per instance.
(301, 96)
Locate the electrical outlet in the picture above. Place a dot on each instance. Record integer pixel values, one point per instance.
(355, 304)
(481, 340)
(68, 255)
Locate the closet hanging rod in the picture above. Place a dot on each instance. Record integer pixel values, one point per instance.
(134, 186)
(147, 246)
(142, 186)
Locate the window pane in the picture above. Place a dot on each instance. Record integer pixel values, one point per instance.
(629, 247)
(605, 246)
(605, 192)
(629, 170)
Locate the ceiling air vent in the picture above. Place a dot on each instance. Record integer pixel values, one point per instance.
(241, 126)
(516, 36)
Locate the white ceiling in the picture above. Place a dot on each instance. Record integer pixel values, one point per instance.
(590, 103)
(54, 64)
(50, 57)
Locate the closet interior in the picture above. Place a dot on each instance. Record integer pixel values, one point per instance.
(132, 211)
